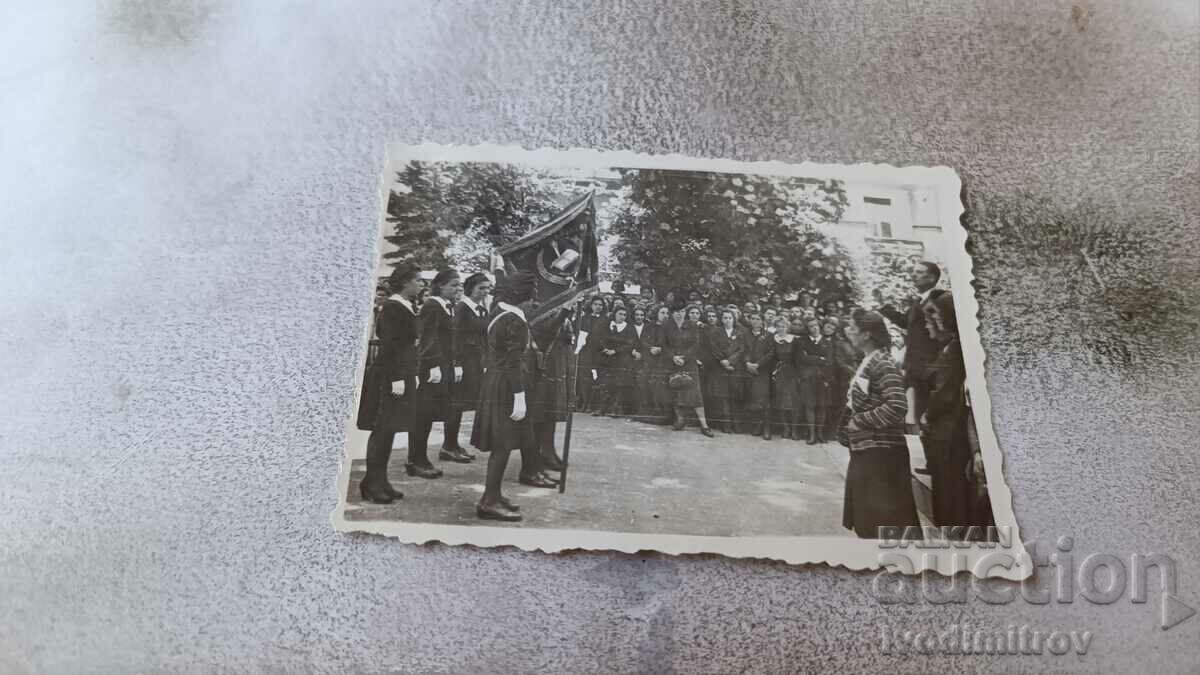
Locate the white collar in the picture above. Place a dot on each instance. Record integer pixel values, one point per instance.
(639, 328)
(728, 332)
(925, 296)
(816, 340)
(787, 337)
(442, 301)
(512, 308)
(471, 303)
(402, 300)
(620, 326)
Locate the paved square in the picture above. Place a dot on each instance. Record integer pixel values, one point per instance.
(634, 477)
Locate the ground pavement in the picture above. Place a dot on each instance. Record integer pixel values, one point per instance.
(634, 477)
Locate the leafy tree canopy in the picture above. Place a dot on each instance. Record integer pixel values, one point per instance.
(733, 236)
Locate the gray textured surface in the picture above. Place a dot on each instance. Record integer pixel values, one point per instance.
(188, 210)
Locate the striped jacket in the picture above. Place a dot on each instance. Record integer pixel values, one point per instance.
(879, 411)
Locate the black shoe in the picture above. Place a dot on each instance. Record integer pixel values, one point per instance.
(496, 513)
(552, 462)
(422, 471)
(537, 481)
(459, 450)
(375, 496)
(766, 434)
(504, 501)
(707, 432)
(452, 456)
(396, 494)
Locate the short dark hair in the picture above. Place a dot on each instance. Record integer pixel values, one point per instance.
(441, 279)
(872, 325)
(473, 281)
(933, 269)
(401, 275)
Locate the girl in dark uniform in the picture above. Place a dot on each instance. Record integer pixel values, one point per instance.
(683, 345)
(616, 359)
(502, 422)
(440, 371)
(394, 384)
(785, 393)
(812, 361)
(659, 400)
(470, 325)
(591, 327)
(725, 362)
(643, 366)
(757, 355)
(552, 379)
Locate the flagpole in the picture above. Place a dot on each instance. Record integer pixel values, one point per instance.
(572, 384)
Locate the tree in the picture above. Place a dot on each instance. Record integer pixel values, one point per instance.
(415, 211)
(454, 214)
(736, 237)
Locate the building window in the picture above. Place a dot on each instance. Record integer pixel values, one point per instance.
(880, 201)
(885, 230)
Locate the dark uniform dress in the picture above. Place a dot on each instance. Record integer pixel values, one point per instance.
(758, 350)
(812, 362)
(643, 374)
(396, 360)
(845, 362)
(380, 411)
(507, 373)
(549, 358)
(434, 401)
(685, 341)
(658, 400)
(878, 478)
(945, 436)
(618, 367)
(470, 327)
(591, 396)
(725, 386)
(785, 394)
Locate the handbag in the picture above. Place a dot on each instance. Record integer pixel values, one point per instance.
(680, 380)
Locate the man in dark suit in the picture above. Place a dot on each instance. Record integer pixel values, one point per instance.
(919, 348)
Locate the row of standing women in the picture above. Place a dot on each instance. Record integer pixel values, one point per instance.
(742, 375)
(446, 358)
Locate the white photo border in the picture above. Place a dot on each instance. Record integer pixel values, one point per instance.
(1007, 559)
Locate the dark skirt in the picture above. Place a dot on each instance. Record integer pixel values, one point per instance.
(394, 414)
(689, 396)
(494, 428)
(952, 492)
(785, 394)
(548, 398)
(724, 384)
(435, 401)
(757, 391)
(879, 492)
(466, 393)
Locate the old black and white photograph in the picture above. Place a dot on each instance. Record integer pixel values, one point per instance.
(577, 349)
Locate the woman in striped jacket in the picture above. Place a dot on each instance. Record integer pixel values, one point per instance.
(878, 480)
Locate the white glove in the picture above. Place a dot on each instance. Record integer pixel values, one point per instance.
(519, 411)
(458, 373)
(435, 375)
(398, 388)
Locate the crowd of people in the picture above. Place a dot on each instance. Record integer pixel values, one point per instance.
(800, 371)
(762, 369)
